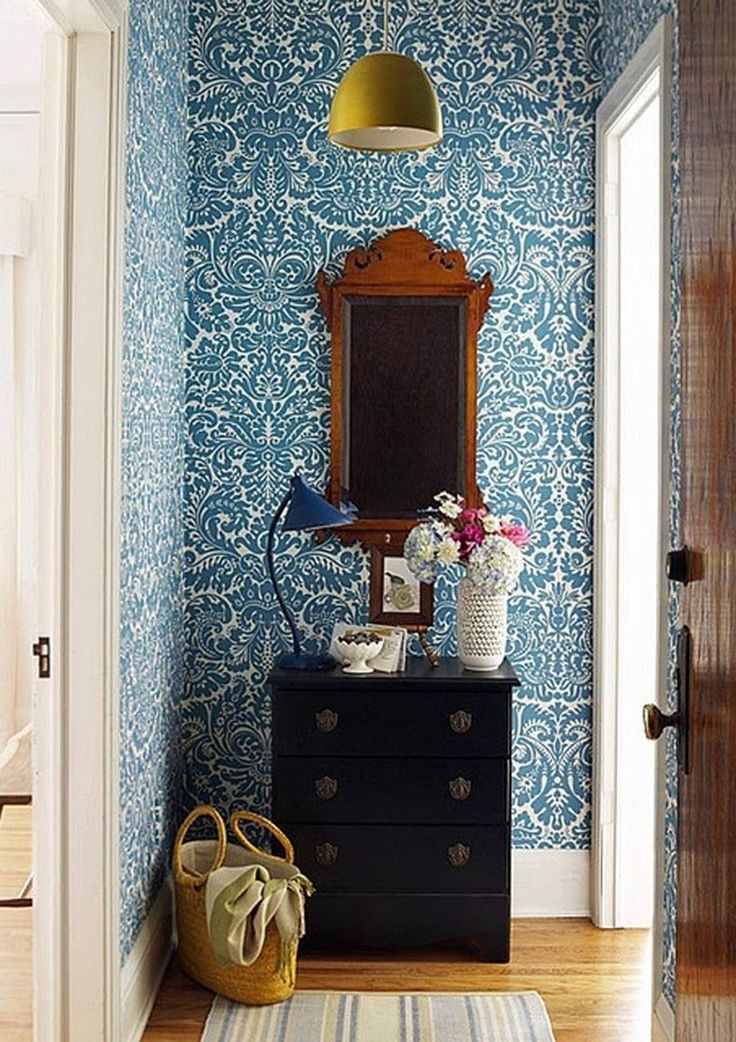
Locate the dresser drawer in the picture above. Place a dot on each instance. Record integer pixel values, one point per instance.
(390, 723)
(419, 858)
(407, 920)
(392, 790)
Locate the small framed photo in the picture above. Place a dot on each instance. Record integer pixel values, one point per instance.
(397, 598)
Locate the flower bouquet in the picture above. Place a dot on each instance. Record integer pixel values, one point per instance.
(490, 548)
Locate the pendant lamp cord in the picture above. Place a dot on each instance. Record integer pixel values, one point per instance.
(385, 25)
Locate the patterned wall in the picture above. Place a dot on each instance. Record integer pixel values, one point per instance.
(271, 202)
(626, 24)
(152, 630)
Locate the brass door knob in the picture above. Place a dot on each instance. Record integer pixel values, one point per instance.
(655, 721)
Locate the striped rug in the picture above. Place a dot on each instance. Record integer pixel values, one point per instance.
(312, 1016)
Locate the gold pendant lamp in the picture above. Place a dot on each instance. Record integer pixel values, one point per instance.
(385, 103)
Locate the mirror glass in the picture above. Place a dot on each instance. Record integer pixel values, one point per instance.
(403, 414)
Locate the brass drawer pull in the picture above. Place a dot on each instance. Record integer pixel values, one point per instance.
(326, 788)
(461, 721)
(326, 853)
(460, 788)
(326, 720)
(458, 855)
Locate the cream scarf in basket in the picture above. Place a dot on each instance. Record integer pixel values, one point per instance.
(241, 902)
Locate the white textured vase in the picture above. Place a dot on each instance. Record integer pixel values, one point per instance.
(481, 626)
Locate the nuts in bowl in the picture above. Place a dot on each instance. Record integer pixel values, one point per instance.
(357, 648)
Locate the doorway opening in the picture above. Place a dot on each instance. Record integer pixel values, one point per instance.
(632, 489)
(23, 503)
(61, 204)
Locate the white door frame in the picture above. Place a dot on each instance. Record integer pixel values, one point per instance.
(76, 786)
(648, 75)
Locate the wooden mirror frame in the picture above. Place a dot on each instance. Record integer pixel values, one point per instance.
(404, 263)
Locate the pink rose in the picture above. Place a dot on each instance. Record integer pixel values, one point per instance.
(519, 535)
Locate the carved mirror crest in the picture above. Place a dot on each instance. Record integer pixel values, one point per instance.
(404, 320)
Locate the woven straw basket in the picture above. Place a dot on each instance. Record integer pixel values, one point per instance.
(271, 978)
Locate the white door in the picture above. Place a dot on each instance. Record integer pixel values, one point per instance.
(633, 494)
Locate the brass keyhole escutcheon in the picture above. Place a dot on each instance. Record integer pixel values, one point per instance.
(461, 721)
(326, 853)
(458, 855)
(326, 720)
(326, 787)
(460, 788)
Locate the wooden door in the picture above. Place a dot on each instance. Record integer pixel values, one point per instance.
(706, 938)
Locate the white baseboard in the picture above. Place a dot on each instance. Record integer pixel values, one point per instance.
(663, 1021)
(144, 968)
(550, 883)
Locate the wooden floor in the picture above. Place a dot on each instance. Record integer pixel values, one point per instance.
(16, 935)
(596, 983)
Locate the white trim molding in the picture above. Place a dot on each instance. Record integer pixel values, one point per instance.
(145, 967)
(550, 884)
(649, 75)
(76, 841)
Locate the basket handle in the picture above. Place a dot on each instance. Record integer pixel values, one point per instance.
(204, 811)
(246, 815)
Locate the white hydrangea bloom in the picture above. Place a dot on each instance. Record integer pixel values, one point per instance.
(495, 565)
(429, 546)
(448, 552)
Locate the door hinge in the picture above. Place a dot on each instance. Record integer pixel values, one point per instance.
(42, 651)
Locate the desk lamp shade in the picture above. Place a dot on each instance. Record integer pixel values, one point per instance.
(308, 510)
(304, 510)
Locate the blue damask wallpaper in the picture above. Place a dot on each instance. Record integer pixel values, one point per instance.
(270, 203)
(152, 552)
(626, 24)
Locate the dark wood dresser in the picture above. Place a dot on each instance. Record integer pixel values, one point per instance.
(395, 789)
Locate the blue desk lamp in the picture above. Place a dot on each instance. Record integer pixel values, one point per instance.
(306, 510)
